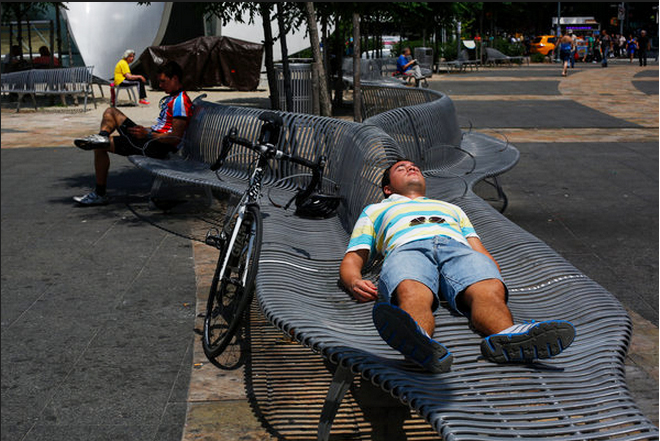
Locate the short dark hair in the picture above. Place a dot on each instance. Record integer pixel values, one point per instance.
(386, 174)
(171, 69)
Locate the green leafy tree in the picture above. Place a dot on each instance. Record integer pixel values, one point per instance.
(24, 11)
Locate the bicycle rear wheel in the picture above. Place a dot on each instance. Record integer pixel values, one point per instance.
(233, 283)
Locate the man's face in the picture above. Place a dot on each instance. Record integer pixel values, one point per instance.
(130, 58)
(404, 176)
(168, 84)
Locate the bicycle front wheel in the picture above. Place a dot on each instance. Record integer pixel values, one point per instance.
(233, 282)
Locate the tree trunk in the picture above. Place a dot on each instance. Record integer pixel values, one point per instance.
(357, 92)
(58, 27)
(51, 42)
(326, 59)
(19, 23)
(285, 59)
(339, 55)
(324, 98)
(268, 50)
(29, 32)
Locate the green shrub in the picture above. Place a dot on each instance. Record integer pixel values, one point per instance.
(537, 58)
(508, 48)
(448, 51)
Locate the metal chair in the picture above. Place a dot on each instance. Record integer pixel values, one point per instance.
(132, 88)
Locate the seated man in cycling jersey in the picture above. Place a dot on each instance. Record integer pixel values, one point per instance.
(431, 251)
(157, 142)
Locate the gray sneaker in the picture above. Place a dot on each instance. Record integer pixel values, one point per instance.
(91, 199)
(92, 142)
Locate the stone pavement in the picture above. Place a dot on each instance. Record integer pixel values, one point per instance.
(98, 374)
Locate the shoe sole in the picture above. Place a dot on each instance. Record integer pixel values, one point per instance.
(78, 199)
(398, 329)
(546, 340)
(86, 145)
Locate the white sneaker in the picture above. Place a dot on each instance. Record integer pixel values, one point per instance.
(528, 342)
(91, 199)
(92, 142)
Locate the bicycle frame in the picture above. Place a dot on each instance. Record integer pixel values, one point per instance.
(250, 196)
(224, 314)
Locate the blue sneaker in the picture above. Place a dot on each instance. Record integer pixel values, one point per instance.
(528, 342)
(401, 332)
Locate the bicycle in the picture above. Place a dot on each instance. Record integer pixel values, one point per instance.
(239, 240)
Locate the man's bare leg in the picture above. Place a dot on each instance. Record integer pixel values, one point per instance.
(112, 118)
(504, 342)
(417, 299)
(401, 327)
(486, 301)
(101, 166)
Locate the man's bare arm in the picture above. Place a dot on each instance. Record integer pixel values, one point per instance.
(174, 137)
(350, 273)
(476, 245)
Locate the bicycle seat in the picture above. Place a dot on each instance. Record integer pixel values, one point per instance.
(270, 130)
(271, 118)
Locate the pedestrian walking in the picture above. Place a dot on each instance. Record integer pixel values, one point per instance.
(565, 52)
(605, 47)
(631, 47)
(643, 45)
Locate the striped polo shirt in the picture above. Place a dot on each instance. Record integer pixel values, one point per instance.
(398, 220)
(177, 105)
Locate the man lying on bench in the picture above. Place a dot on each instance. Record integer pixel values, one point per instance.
(431, 249)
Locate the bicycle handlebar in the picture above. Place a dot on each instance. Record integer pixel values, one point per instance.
(270, 151)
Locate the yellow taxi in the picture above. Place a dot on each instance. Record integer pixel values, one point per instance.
(543, 44)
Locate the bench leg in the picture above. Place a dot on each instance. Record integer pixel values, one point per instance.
(501, 196)
(155, 191)
(340, 383)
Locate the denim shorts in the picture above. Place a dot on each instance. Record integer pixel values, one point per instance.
(447, 267)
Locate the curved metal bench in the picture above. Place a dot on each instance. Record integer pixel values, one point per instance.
(72, 81)
(579, 395)
(428, 133)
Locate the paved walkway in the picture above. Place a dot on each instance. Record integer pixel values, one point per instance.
(212, 415)
(120, 386)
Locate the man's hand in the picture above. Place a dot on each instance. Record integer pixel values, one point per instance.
(364, 290)
(139, 132)
(350, 273)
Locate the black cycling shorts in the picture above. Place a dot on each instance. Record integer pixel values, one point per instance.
(127, 145)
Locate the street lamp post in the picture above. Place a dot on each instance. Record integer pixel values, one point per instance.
(621, 16)
(458, 37)
(558, 19)
(556, 52)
